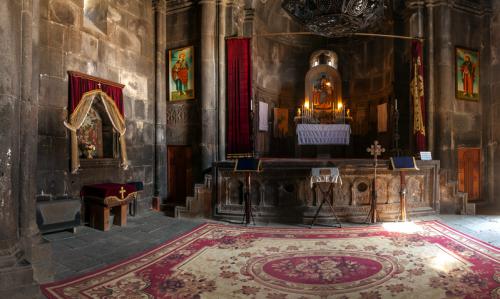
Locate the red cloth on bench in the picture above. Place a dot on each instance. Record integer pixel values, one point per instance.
(107, 189)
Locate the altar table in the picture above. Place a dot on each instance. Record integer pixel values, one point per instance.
(323, 134)
(100, 198)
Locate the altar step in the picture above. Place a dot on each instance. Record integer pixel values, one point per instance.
(451, 200)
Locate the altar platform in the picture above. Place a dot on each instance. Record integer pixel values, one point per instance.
(282, 191)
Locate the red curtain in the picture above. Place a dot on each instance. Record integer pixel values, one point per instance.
(239, 93)
(78, 85)
(417, 95)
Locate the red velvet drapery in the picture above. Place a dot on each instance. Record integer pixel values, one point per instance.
(417, 95)
(239, 94)
(78, 85)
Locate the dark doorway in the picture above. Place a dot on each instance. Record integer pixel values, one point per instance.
(469, 163)
(180, 174)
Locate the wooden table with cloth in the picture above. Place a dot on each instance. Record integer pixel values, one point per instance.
(100, 198)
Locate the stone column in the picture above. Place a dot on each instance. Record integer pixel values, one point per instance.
(160, 167)
(16, 273)
(10, 78)
(444, 85)
(222, 29)
(208, 84)
(28, 121)
(36, 250)
(430, 82)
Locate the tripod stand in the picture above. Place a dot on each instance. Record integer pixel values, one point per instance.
(326, 196)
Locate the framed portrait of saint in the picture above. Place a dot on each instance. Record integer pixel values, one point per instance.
(181, 74)
(467, 74)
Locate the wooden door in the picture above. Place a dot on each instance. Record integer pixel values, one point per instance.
(180, 174)
(469, 163)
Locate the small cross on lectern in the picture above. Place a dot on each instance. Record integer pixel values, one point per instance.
(122, 192)
(99, 85)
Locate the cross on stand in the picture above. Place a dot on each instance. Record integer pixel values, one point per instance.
(375, 150)
(99, 85)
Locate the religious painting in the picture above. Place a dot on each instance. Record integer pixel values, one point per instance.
(280, 122)
(95, 15)
(181, 73)
(323, 94)
(467, 74)
(90, 136)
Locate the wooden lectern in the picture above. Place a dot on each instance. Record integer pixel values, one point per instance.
(248, 166)
(403, 164)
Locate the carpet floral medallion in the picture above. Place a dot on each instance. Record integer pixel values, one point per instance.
(396, 260)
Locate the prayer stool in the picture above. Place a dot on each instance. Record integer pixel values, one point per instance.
(99, 199)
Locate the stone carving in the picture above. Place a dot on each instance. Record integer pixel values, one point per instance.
(285, 193)
(414, 185)
(255, 193)
(382, 189)
(394, 190)
(361, 191)
(234, 191)
(180, 114)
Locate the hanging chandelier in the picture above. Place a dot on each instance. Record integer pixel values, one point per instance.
(334, 18)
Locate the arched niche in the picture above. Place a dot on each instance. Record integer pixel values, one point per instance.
(97, 122)
(97, 130)
(323, 84)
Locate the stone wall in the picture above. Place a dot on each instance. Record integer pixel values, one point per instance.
(118, 46)
(492, 111)
(183, 122)
(459, 123)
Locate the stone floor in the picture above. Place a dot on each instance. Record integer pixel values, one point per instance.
(89, 249)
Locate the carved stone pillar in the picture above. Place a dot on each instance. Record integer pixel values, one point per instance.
(222, 9)
(444, 84)
(160, 167)
(430, 82)
(36, 250)
(208, 68)
(18, 149)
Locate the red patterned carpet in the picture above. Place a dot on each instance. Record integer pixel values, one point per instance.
(397, 260)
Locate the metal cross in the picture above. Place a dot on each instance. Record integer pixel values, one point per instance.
(99, 85)
(375, 150)
(122, 192)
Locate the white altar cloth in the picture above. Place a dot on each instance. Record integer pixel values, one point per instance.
(325, 175)
(323, 134)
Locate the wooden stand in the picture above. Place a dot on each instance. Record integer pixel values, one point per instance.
(248, 215)
(98, 211)
(326, 196)
(403, 164)
(375, 150)
(402, 197)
